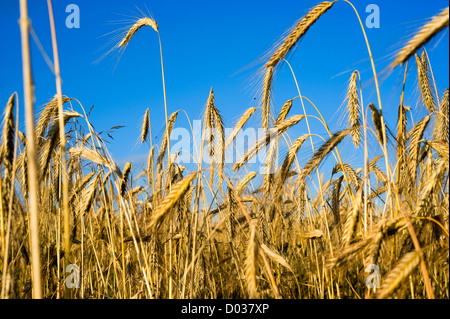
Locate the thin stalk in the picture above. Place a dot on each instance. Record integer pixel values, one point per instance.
(62, 136)
(165, 97)
(383, 128)
(168, 157)
(366, 157)
(32, 153)
(326, 127)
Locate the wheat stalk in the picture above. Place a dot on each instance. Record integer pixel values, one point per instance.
(298, 32)
(95, 157)
(49, 112)
(352, 217)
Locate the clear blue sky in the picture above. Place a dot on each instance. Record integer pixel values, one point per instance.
(212, 43)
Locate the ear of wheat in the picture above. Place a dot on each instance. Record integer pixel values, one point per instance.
(353, 109)
(424, 83)
(145, 126)
(7, 148)
(284, 48)
(263, 142)
(139, 24)
(422, 37)
(441, 126)
(178, 190)
(321, 153)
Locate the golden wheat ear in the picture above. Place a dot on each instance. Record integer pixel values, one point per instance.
(441, 126)
(424, 83)
(145, 126)
(401, 271)
(287, 44)
(7, 148)
(178, 191)
(132, 31)
(353, 109)
(326, 148)
(422, 37)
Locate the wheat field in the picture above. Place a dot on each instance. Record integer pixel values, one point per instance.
(220, 230)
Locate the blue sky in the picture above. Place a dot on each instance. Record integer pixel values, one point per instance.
(213, 44)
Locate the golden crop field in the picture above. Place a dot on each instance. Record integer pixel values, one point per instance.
(220, 231)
